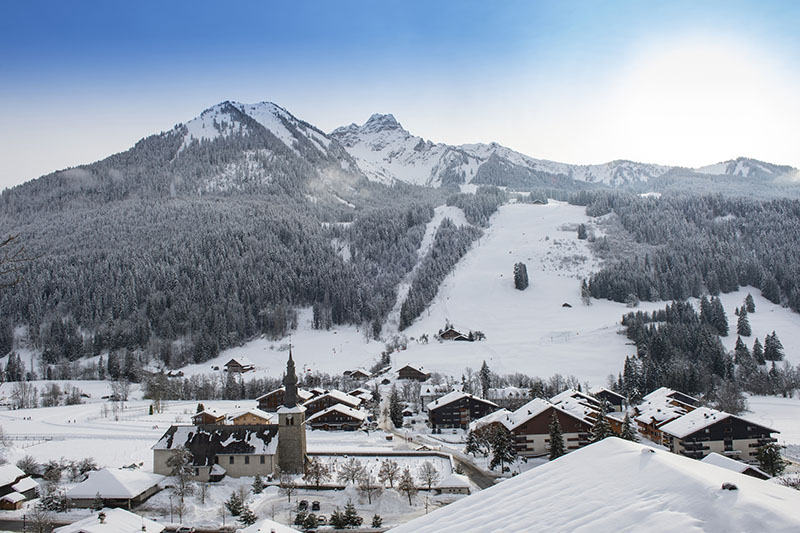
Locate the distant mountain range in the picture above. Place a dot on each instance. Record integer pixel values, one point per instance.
(233, 146)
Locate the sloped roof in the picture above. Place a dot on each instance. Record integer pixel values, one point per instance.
(116, 521)
(454, 396)
(240, 360)
(211, 411)
(339, 396)
(9, 474)
(700, 418)
(616, 485)
(339, 408)
(454, 481)
(25, 484)
(501, 416)
(731, 464)
(597, 390)
(268, 526)
(114, 483)
(254, 411)
(657, 406)
(207, 441)
(13, 497)
(530, 410)
(302, 394)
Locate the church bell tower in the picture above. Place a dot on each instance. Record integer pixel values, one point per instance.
(291, 425)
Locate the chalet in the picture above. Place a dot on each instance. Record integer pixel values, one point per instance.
(409, 372)
(116, 487)
(613, 400)
(15, 487)
(359, 374)
(530, 426)
(429, 392)
(737, 466)
(704, 430)
(251, 417)
(661, 407)
(316, 391)
(112, 521)
(457, 409)
(220, 449)
(329, 399)
(270, 401)
(239, 365)
(451, 334)
(338, 417)
(453, 484)
(209, 415)
(365, 395)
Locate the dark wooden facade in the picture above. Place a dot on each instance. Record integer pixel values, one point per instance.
(409, 372)
(336, 420)
(731, 436)
(576, 432)
(459, 413)
(320, 403)
(274, 399)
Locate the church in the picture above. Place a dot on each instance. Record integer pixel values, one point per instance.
(241, 450)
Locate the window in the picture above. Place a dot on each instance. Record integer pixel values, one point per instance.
(262, 459)
(247, 459)
(230, 460)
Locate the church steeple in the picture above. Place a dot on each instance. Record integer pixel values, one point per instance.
(290, 383)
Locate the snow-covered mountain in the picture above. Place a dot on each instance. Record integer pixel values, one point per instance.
(386, 152)
(747, 168)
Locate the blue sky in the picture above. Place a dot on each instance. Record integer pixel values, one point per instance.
(685, 83)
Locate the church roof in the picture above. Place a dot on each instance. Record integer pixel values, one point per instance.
(207, 441)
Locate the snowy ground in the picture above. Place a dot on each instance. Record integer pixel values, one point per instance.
(527, 331)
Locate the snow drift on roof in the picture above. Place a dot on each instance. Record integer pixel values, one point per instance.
(616, 485)
(25, 484)
(339, 408)
(116, 521)
(454, 396)
(700, 418)
(731, 464)
(9, 474)
(114, 483)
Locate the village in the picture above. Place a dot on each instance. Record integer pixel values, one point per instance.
(363, 458)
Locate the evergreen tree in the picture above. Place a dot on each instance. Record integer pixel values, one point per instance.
(740, 352)
(247, 517)
(337, 519)
(628, 431)
(377, 521)
(743, 324)
(485, 377)
(749, 304)
(258, 484)
(719, 320)
(520, 276)
(557, 448)
(234, 504)
(395, 409)
(773, 348)
(98, 502)
(503, 449)
(582, 231)
(601, 428)
(758, 353)
(770, 459)
(351, 517)
(472, 446)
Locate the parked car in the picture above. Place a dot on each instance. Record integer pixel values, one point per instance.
(315, 505)
(185, 529)
(322, 519)
(303, 505)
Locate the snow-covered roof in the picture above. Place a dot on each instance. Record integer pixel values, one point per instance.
(114, 483)
(13, 497)
(658, 406)
(616, 485)
(9, 474)
(254, 411)
(240, 360)
(268, 526)
(531, 409)
(339, 408)
(700, 418)
(25, 484)
(302, 394)
(721, 461)
(501, 415)
(211, 411)
(454, 396)
(339, 396)
(454, 481)
(598, 390)
(670, 394)
(115, 521)
(572, 394)
(507, 392)
(207, 441)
